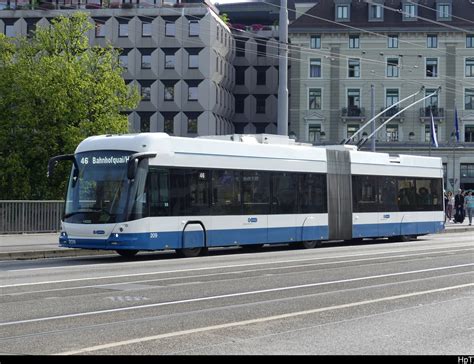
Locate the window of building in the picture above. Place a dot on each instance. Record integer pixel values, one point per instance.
(146, 29)
(314, 99)
(168, 125)
(432, 41)
(428, 132)
(354, 68)
(431, 102)
(240, 47)
(261, 47)
(170, 61)
(145, 92)
(145, 122)
(392, 67)
(353, 98)
(351, 129)
(467, 169)
(469, 41)
(443, 11)
(30, 27)
(193, 28)
(146, 61)
(100, 29)
(393, 41)
(391, 97)
(261, 100)
(431, 67)
(354, 41)
(192, 125)
(10, 30)
(261, 75)
(469, 99)
(193, 61)
(169, 93)
(240, 75)
(315, 67)
(170, 29)
(239, 104)
(392, 132)
(314, 133)
(192, 93)
(469, 133)
(375, 12)
(469, 67)
(315, 42)
(342, 12)
(123, 29)
(409, 11)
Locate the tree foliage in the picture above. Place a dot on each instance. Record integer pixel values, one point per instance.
(55, 90)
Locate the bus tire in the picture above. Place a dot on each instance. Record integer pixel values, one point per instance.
(127, 253)
(399, 238)
(310, 244)
(191, 252)
(251, 247)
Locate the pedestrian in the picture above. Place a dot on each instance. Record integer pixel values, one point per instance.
(459, 206)
(469, 205)
(450, 205)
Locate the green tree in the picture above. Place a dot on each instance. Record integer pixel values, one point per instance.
(55, 90)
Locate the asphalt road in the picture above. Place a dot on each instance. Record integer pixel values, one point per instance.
(374, 298)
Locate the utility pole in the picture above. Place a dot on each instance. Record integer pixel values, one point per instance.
(283, 71)
(372, 114)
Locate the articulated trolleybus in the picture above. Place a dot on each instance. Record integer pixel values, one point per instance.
(152, 191)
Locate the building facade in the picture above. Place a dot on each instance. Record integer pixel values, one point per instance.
(179, 55)
(353, 59)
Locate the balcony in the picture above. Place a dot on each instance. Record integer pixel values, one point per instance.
(391, 112)
(425, 113)
(352, 113)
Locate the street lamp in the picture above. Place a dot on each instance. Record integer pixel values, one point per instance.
(454, 180)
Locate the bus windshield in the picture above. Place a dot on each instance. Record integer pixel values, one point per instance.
(97, 192)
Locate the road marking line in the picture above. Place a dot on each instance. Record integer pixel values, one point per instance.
(200, 299)
(105, 285)
(255, 321)
(381, 253)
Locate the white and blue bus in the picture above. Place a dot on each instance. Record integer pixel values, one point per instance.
(152, 191)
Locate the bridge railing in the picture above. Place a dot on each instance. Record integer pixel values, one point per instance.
(21, 216)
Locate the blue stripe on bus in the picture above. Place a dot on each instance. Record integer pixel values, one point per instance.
(232, 237)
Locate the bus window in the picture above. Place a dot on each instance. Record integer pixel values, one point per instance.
(388, 194)
(312, 193)
(365, 193)
(197, 200)
(256, 192)
(406, 194)
(429, 197)
(178, 192)
(284, 193)
(226, 192)
(157, 188)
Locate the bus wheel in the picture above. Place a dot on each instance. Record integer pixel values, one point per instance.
(310, 244)
(399, 238)
(191, 252)
(127, 253)
(251, 247)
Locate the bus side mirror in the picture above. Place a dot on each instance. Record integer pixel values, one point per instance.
(132, 165)
(132, 168)
(54, 161)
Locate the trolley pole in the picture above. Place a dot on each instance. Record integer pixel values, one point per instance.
(283, 71)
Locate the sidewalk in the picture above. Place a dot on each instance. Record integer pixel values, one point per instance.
(38, 246)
